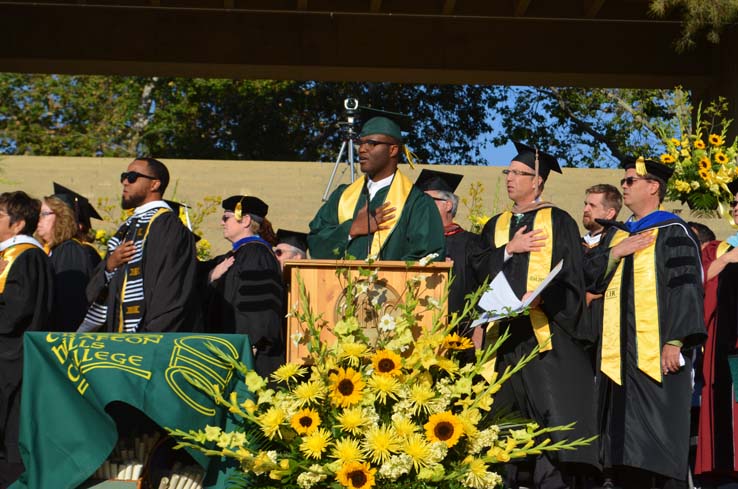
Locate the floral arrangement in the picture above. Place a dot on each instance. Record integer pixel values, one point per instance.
(399, 410)
(703, 161)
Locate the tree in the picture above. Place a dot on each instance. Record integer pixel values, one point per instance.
(710, 16)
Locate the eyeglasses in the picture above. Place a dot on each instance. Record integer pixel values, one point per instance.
(226, 217)
(439, 199)
(47, 213)
(518, 173)
(372, 143)
(628, 181)
(132, 176)
(278, 252)
(733, 203)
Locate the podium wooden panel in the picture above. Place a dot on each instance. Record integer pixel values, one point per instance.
(326, 294)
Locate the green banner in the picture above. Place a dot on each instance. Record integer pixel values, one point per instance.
(69, 378)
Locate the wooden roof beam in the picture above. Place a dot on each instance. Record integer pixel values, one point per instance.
(520, 7)
(592, 8)
(448, 7)
(375, 6)
(302, 4)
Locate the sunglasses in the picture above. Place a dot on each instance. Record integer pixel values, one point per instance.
(372, 143)
(132, 176)
(518, 173)
(226, 217)
(628, 181)
(733, 203)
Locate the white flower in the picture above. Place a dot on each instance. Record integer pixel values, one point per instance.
(387, 323)
(297, 338)
(427, 259)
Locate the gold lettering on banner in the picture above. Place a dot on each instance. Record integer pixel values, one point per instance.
(190, 359)
(133, 309)
(81, 353)
(135, 271)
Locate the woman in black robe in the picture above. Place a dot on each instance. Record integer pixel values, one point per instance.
(72, 263)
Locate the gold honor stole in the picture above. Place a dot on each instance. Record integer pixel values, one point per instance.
(10, 254)
(722, 248)
(539, 266)
(646, 314)
(398, 193)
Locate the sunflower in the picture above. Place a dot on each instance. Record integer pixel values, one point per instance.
(288, 372)
(715, 139)
(456, 342)
(667, 158)
(703, 174)
(346, 387)
(444, 427)
(352, 420)
(380, 442)
(309, 393)
(356, 475)
(721, 158)
(347, 450)
(699, 144)
(305, 421)
(387, 362)
(314, 444)
(704, 163)
(676, 142)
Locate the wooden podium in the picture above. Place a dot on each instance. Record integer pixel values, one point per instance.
(326, 294)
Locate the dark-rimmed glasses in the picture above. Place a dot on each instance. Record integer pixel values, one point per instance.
(518, 173)
(733, 203)
(628, 181)
(132, 176)
(226, 217)
(372, 143)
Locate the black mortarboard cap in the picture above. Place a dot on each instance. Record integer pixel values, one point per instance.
(733, 187)
(293, 238)
(651, 167)
(527, 156)
(249, 205)
(438, 180)
(79, 204)
(177, 208)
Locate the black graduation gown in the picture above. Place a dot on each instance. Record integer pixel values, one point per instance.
(171, 302)
(557, 387)
(25, 305)
(590, 268)
(457, 249)
(644, 423)
(248, 299)
(92, 252)
(73, 268)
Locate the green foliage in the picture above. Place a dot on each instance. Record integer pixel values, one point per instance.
(698, 16)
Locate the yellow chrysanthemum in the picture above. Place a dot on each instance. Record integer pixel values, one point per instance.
(288, 371)
(314, 444)
(715, 139)
(352, 352)
(309, 392)
(444, 427)
(351, 419)
(704, 163)
(383, 387)
(355, 475)
(404, 427)
(347, 450)
(380, 442)
(386, 362)
(271, 420)
(346, 387)
(721, 158)
(703, 174)
(418, 449)
(699, 144)
(421, 395)
(667, 158)
(305, 421)
(456, 342)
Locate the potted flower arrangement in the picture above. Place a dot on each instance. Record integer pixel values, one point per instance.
(703, 161)
(396, 410)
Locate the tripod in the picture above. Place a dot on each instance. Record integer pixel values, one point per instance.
(348, 127)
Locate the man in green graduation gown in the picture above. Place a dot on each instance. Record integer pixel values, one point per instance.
(400, 222)
(653, 310)
(556, 387)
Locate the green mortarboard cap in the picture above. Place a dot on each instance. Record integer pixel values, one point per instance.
(527, 155)
(438, 180)
(654, 168)
(79, 204)
(384, 122)
(293, 238)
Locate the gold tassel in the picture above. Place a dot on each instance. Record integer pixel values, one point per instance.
(411, 157)
(238, 211)
(641, 166)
